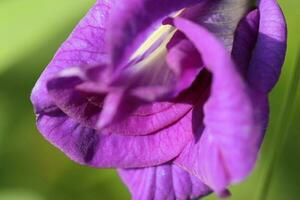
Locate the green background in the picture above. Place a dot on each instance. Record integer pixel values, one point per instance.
(32, 169)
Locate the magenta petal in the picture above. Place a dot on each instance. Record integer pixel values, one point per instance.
(163, 182)
(185, 61)
(85, 46)
(138, 20)
(269, 53)
(90, 147)
(227, 149)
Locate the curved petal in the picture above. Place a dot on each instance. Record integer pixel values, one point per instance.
(90, 147)
(184, 60)
(163, 182)
(139, 18)
(227, 149)
(85, 46)
(260, 54)
(269, 53)
(244, 41)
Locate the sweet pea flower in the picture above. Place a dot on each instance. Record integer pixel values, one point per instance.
(172, 93)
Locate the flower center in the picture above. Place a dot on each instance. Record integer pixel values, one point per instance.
(154, 40)
(219, 17)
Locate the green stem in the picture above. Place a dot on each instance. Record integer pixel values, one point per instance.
(281, 131)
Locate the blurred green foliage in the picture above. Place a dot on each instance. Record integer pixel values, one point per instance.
(32, 169)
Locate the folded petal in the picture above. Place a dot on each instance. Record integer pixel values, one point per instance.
(244, 44)
(245, 39)
(269, 53)
(85, 46)
(163, 182)
(184, 61)
(227, 149)
(90, 147)
(259, 50)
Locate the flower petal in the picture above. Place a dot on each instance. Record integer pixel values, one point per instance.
(163, 182)
(227, 149)
(269, 53)
(254, 36)
(244, 44)
(85, 46)
(90, 147)
(244, 40)
(184, 60)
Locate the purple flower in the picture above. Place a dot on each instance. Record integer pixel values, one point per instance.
(181, 117)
